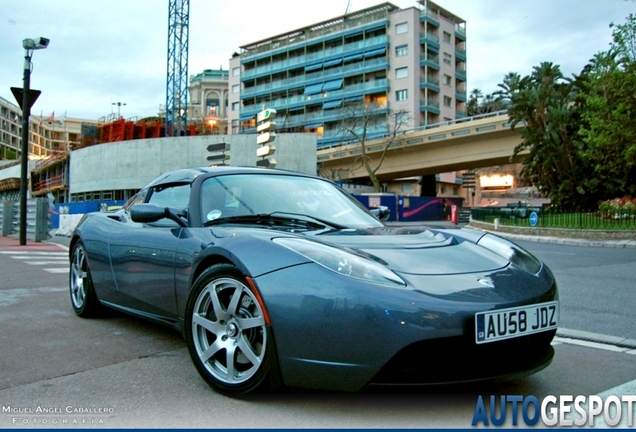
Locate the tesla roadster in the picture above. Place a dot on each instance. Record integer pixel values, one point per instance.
(284, 279)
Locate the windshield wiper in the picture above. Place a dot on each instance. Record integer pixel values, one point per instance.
(276, 219)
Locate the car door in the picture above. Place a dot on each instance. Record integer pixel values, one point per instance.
(143, 255)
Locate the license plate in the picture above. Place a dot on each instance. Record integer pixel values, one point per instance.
(514, 322)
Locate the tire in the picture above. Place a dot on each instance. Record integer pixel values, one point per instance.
(83, 297)
(228, 339)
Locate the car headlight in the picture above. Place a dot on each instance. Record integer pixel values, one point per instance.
(341, 261)
(511, 252)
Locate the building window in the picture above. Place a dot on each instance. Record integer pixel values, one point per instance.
(448, 101)
(236, 88)
(447, 37)
(448, 58)
(401, 72)
(401, 50)
(401, 28)
(402, 95)
(236, 71)
(447, 79)
(236, 106)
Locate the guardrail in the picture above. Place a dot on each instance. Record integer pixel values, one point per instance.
(539, 217)
(38, 221)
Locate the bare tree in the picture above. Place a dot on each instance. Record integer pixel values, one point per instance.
(369, 123)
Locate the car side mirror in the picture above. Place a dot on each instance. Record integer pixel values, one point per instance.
(381, 212)
(148, 213)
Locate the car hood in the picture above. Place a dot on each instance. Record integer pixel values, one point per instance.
(419, 252)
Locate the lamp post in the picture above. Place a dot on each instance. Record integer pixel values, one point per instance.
(119, 104)
(28, 98)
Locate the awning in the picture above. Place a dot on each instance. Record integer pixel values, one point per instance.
(332, 62)
(352, 57)
(313, 89)
(313, 67)
(332, 104)
(375, 52)
(313, 126)
(245, 117)
(354, 99)
(332, 85)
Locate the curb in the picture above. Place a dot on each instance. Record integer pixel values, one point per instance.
(627, 244)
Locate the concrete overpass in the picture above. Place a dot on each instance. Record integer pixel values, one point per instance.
(458, 145)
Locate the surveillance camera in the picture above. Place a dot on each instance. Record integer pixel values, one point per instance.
(35, 43)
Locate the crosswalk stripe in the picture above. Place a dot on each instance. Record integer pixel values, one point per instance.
(56, 270)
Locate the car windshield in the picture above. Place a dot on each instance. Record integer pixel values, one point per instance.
(257, 194)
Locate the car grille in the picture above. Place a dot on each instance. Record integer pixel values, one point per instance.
(459, 359)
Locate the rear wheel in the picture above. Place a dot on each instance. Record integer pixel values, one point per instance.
(226, 333)
(83, 297)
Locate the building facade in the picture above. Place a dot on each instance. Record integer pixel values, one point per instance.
(209, 100)
(51, 139)
(410, 64)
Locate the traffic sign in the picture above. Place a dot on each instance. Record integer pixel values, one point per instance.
(265, 150)
(266, 114)
(18, 95)
(219, 157)
(534, 219)
(266, 163)
(222, 146)
(265, 138)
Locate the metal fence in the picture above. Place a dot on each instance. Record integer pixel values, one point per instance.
(38, 219)
(538, 217)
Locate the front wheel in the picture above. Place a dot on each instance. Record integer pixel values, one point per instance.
(226, 333)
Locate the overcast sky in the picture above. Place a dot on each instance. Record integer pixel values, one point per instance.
(116, 51)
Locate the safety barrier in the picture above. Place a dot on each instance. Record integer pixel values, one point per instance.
(38, 220)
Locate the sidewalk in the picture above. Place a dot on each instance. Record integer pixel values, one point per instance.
(12, 243)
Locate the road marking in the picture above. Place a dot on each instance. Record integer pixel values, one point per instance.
(56, 270)
(595, 340)
(39, 258)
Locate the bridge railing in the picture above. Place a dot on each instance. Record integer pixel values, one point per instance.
(423, 128)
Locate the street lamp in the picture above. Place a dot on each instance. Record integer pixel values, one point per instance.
(28, 98)
(119, 104)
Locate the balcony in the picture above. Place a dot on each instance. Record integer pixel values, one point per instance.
(430, 106)
(429, 39)
(430, 83)
(429, 60)
(429, 16)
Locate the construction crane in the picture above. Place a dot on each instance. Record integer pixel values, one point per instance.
(177, 79)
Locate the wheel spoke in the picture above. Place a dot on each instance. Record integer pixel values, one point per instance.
(248, 323)
(246, 349)
(220, 313)
(229, 361)
(211, 326)
(211, 350)
(236, 297)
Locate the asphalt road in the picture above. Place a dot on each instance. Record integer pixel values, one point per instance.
(132, 373)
